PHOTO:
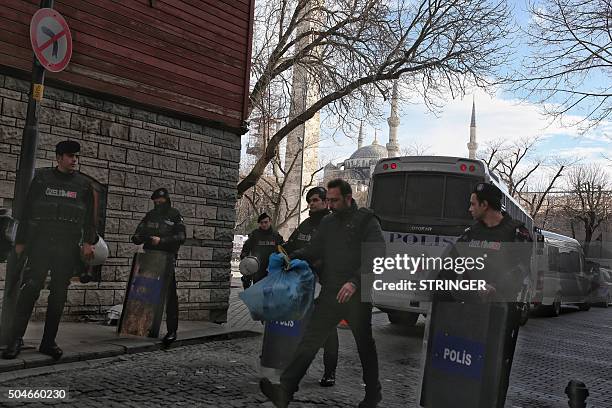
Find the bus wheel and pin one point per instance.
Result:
(553, 310)
(403, 318)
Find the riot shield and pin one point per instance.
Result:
(145, 296)
(468, 355)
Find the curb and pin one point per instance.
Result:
(37, 364)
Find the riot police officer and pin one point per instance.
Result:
(261, 243)
(316, 198)
(57, 218)
(162, 229)
(505, 243)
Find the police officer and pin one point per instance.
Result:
(316, 198)
(338, 243)
(57, 218)
(505, 243)
(162, 229)
(261, 243)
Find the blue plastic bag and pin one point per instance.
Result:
(283, 294)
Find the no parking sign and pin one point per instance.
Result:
(51, 39)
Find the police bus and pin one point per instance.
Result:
(423, 201)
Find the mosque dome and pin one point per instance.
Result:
(373, 151)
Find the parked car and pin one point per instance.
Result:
(562, 277)
(602, 287)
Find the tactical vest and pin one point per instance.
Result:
(61, 202)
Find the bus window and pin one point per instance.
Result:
(389, 200)
(458, 191)
(424, 195)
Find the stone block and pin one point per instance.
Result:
(209, 170)
(134, 204)
(164, 163)
(143, 136)
(208, 191)
(143, 115)
(124, 250)
(190, 146)
(115, 130)
(200, 274)
(69, 107)
(128, 226)
(224, 234)
(111, 226)
(230, 154)
(89, 102)
(59, 94)
(186, 188)
(115, 108)
(220, 274)
(168, 121)
(166, 141)
(226, 214)
(10, 135)
(219, 295)
(17, 84)
(228, 194)
(14, 109)
(112, 153)
(116, 178)
(186, 209)
(199, 314)
(201, 253)
(139, 158)
(85, 123)
(54, 117)
(8, 162)
(199, 295)
(210, 150)
(119, 296)
(229, 174)
(140, 181)
(99, 297)
(206, 212)
(7, 188)
(222, 254)
(202, 232)
(100, 115)
(99, 174)
(191, 127)
(75, 297)
(188, 166)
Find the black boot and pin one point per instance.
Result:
(371, 400)
(328, 380)
(169, 338)
(275, 393)
(13, 349)
(51, 349)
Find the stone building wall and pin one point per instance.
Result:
(133, 151)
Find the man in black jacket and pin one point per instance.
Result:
(338, 243)
(506, 245)
(261, 243)
(58, 216)
(316, 198)
(162, 229)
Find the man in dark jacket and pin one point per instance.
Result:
(506, 245)
(162, 229)
(58, 217)
(338, 243)
(262, 242)
(316, 198)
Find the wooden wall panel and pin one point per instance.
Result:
(187, 56)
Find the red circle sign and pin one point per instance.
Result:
(51, 39)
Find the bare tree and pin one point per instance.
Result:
(569, 68)
(529, 178)
(589, 201)
(355, 49)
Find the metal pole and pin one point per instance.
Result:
(25, 173)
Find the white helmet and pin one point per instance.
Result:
(100, 254)
(249, 265)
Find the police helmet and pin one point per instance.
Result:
(100, 254)
(249, 266)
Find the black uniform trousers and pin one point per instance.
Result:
(60, 256)
(330, 352)
(172, 308)
(325, 317)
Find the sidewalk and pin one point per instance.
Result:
(88, 341)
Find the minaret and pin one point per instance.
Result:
(360, 137)
(472, 145)
(302, 151)
(393, 121)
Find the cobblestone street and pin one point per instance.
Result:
(225, 374)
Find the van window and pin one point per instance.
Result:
(553, 258)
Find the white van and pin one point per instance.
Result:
(561, 277)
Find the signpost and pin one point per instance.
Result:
(52, 46)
